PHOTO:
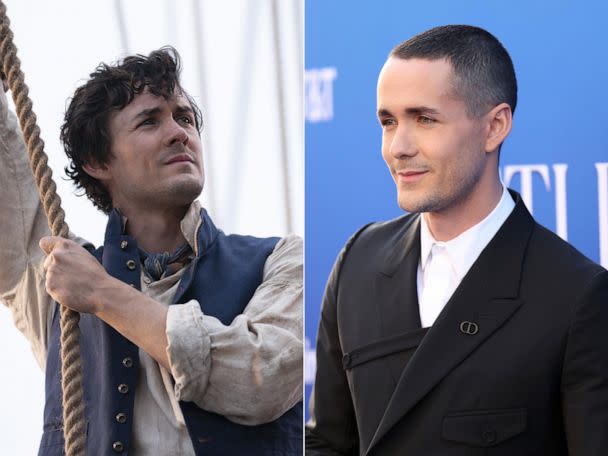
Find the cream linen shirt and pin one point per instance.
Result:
(453, 258)
(249, 371)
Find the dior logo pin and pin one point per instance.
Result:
(468, 327)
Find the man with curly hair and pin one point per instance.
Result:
(191, 340)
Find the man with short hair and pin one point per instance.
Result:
(464, 327)
(191, 340)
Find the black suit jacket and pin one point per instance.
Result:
(528, 377)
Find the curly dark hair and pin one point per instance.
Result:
(85, 131)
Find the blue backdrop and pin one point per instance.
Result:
(556, 155)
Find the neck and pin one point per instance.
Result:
(477, 205)
(155, 230)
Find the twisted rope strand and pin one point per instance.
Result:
(71, 373)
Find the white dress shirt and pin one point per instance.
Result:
(443, 264)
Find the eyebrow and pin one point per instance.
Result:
(146, 113)
(184, 109)
(413, 111)
(153, 111)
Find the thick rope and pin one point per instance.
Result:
(71, 373)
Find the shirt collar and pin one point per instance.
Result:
(464, 249)
(191, 223)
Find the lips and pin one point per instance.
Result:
(179, 158)
(410, 175)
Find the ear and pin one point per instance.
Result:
(97, 170)
(500, 120)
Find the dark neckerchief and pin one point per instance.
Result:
(155, 265)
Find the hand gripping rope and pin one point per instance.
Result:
(71, 373)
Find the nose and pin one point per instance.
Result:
(402, 143)
(176, 134)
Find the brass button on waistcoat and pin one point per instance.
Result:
(123, 388)
(127, 362)
(118, 446)
(121, 417)
(131, 264)
(124, 244)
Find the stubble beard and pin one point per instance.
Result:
(459, 186)
(182, 192)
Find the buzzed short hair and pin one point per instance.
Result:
(483, 71)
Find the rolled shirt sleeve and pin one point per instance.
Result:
(22, 224)
(251, 370)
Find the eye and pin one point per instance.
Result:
(425, 120)
(387, 122)
(186, 119)
(147, 121)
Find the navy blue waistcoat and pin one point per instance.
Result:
(222, 278)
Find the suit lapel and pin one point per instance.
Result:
(396, 291)
(487, 297)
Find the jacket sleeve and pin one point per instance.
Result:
(251, 370)
(22, 224)
(332, 428)
(585, 372)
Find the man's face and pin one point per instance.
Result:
(434, 150)
(157, 152)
